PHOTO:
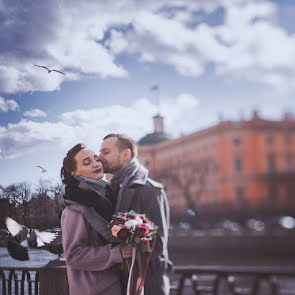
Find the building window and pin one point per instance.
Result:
(288, 138)
(271, 163)
(237, 141)
(289, 162)
(291, 192)
(273, 192)
(238, 164)
(240, 195)
(269, 139)
(216, 168)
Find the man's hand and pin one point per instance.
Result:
(127, 251)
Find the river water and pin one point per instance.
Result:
(38, 258)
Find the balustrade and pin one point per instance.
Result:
(185, 280)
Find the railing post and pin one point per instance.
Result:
(181, 284)
(53, 279)
(3, 282)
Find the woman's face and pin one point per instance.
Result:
(88, 164)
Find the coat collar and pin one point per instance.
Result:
(127, 193)
(140, 177)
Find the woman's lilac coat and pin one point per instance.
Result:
(89, 265)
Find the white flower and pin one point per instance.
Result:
(139, 220)
(131, 224)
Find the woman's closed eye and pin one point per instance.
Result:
(86, 162)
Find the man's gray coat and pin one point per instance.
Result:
(143, 195)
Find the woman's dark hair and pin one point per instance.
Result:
(69, 163)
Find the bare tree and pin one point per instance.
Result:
(189, 179)
(54, 194)
(19, 196)
(45, 204)
(38, 207)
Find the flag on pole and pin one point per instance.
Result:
(155, 88)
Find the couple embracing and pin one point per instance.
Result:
(88, 204)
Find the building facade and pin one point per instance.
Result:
(247, 164)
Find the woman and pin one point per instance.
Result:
(89, 256)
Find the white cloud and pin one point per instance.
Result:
(8, 105)
(91, 125)
(117, 43)
(258, 49)
(249, 44)
(186, 65)
(248, 40)
(187, 101)
(25, 77)
(34, 113)
(59, 42)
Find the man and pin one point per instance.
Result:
(136, 191)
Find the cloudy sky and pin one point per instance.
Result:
(211, 59)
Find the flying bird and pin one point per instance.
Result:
(22, 239)
(49, 71)
(43, 169)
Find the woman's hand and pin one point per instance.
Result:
(127, 251)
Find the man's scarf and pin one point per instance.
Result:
(120, 181)
(125, 174)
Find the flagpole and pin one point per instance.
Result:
(158, 100)
(157, 96)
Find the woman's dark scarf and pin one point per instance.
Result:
(91, 193)
(89, 196)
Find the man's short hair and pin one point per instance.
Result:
(124, 142)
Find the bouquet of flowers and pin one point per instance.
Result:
(137, 229)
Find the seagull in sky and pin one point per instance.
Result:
(49, 71)
(22, 239)
(43, 169)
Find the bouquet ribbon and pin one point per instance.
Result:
(135, 284)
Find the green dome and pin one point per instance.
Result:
(153, 138)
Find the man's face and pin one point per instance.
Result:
(110, 156)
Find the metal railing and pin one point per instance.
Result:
(186, 280)
(232, 280)
(16, 280)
